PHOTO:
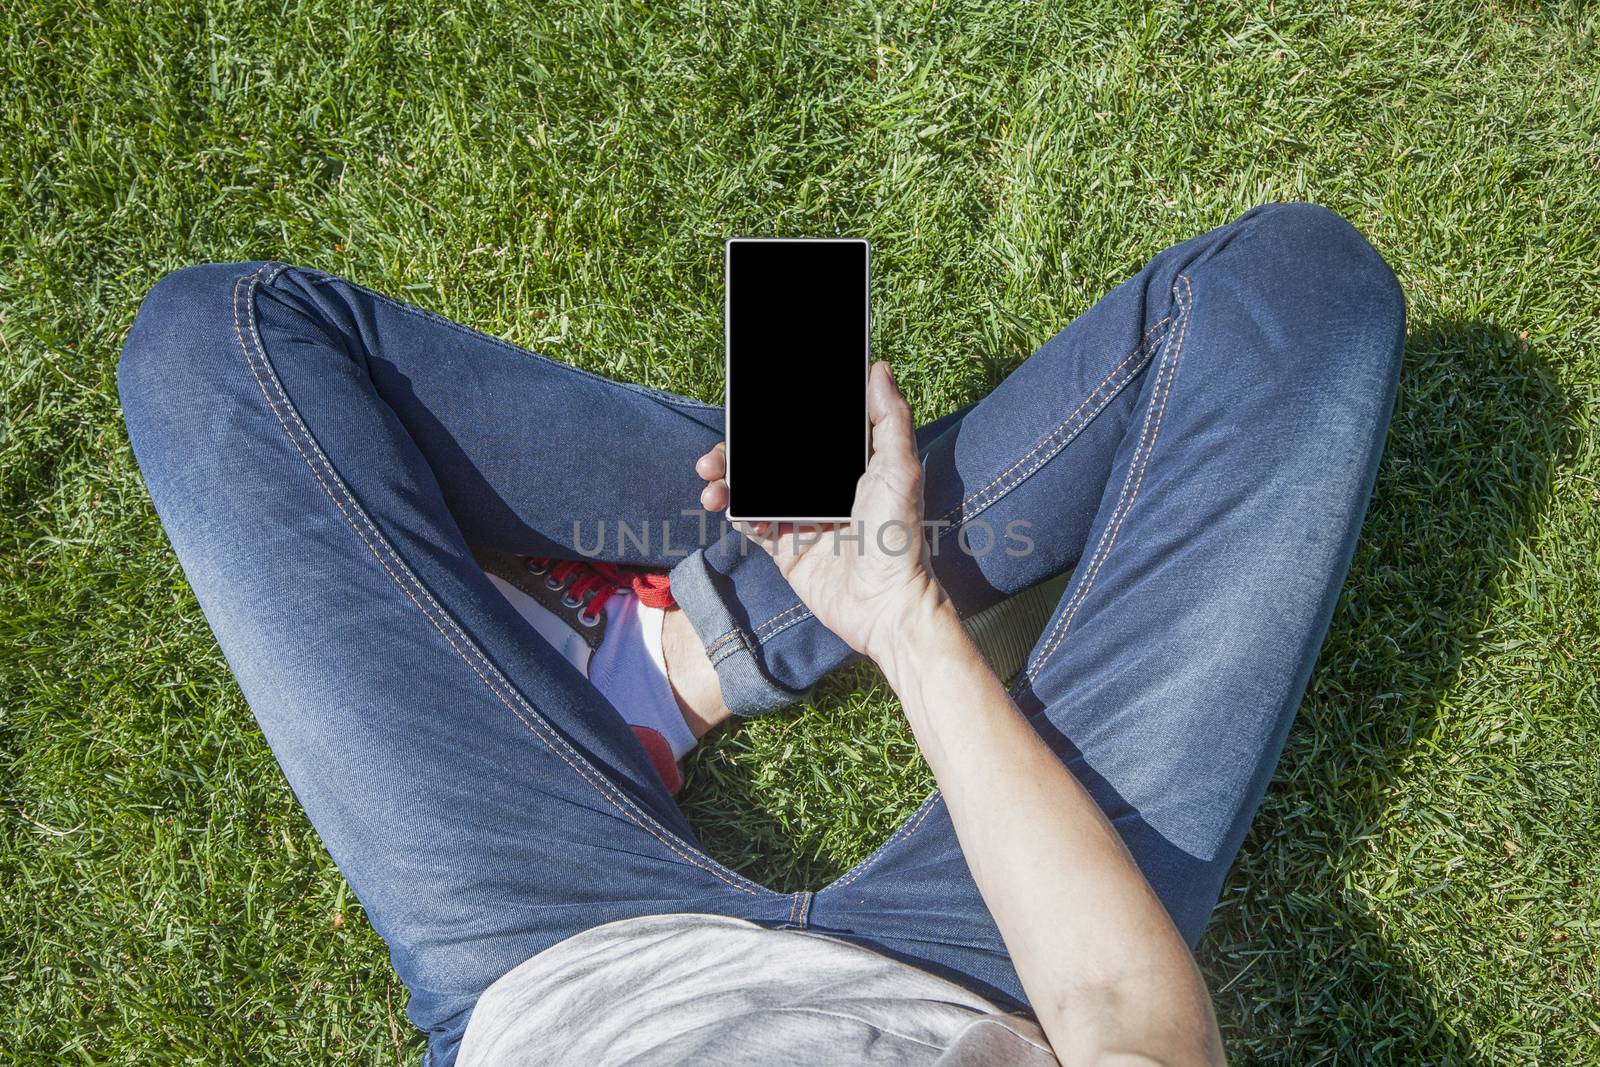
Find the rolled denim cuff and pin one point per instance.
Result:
(704, 595)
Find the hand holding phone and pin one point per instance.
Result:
(870, 586)
(797, 326)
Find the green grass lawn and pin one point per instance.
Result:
(1423, 884)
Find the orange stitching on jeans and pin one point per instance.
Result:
(642, 820)
(719, 642)
(739, 641)
(737, 634)
(906, 829)
(796, 621)
(779, 615)
(1144, 346)
(1041, 461)
(1108, 537)
(1144, 343)
(255, 282)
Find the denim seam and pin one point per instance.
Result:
(571, 757)
(913, 824)
(908, 828)
(1146, 341)
(1148, 437)
(740, 642)
(643, 390)
(796, 621)
(718, 642)
(788, 611)
(756, 633)
(805, 909)
(1151, 336)
(761, 638)
(712, 648)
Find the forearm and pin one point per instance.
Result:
(1106, 971)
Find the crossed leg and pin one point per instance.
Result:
(1200, 445)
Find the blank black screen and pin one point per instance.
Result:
(797, 377)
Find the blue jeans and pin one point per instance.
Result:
(1200, 446)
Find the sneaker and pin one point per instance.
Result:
(605, 620)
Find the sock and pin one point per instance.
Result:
(630, 670)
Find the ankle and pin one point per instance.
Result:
(691, 676)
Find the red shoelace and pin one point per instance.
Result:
(600, 581)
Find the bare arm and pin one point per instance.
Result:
(1106, 971)
(1107, 974)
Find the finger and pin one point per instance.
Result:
(714, 464)
(893, 436)
(714, 497)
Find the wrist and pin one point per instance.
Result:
(924, 619)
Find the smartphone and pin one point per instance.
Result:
(797, 320)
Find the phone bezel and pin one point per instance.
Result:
(727, 366)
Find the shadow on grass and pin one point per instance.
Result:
(1303, 971)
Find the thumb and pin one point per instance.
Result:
(893, 436)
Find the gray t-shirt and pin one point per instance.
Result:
(704, 989)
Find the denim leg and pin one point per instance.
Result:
(1013, 486)
(1211, 509)
(321, 459)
